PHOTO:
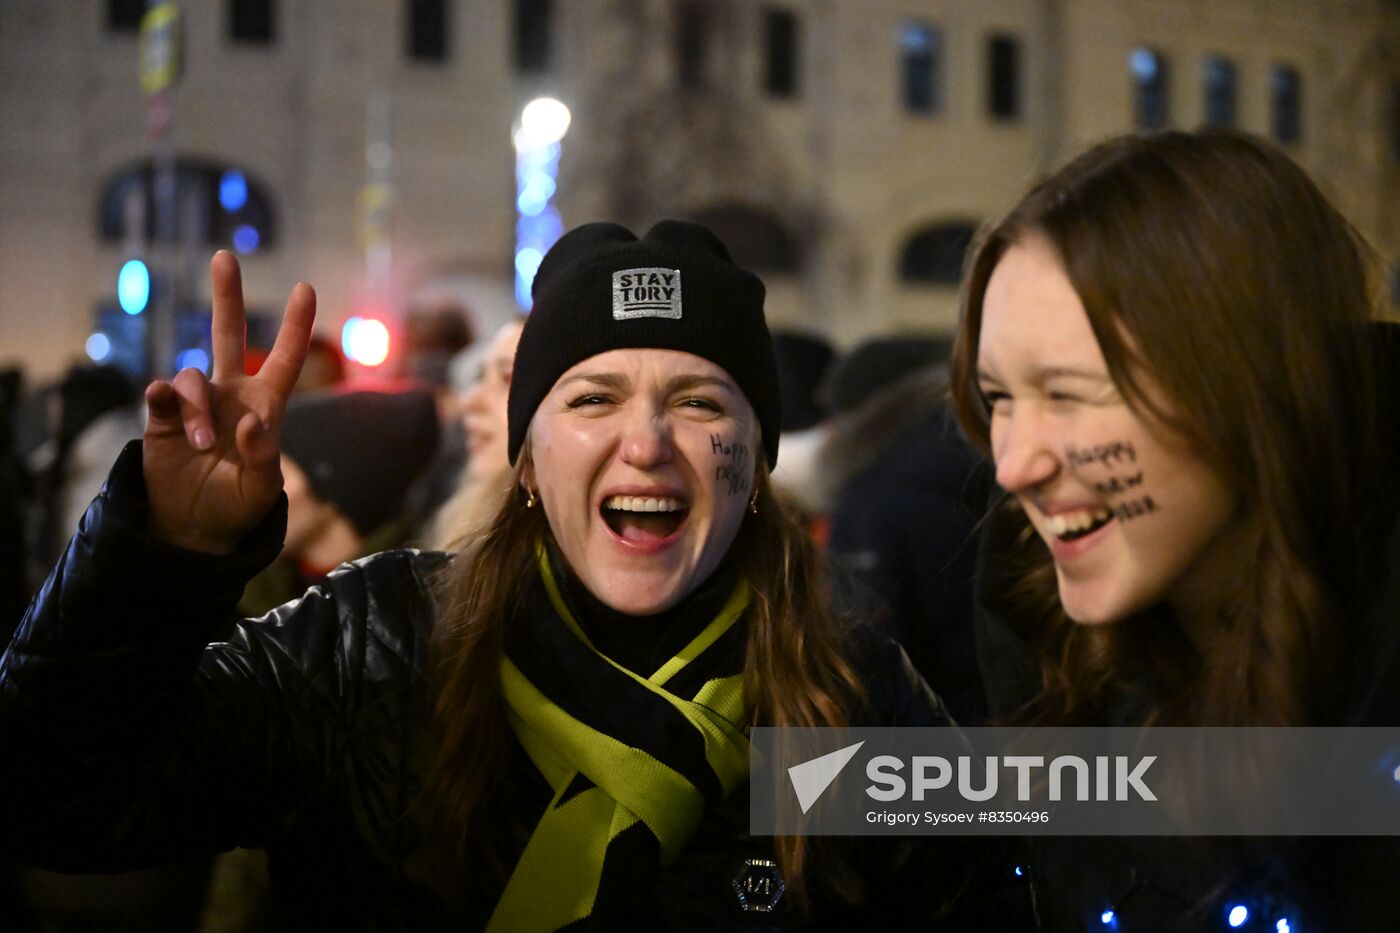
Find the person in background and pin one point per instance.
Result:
(1169, 350)
(906, 493)
(348, 459)
(487, 475)
(91, 417)
(15, 492)
(324, 368)
(437, 330)
(803, 363)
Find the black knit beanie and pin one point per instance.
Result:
(361, 451)
(599, 288)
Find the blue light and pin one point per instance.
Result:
(535, 194)
(98, 347)
(1018, 871)
(347, 335)
(1237, 915)
(915, 38)
(233, 191)
(539, 231)
(246, 239)
(1108, 917)
(545, 159)
(1282, 926)
(1143, 63)
(527, 261)
(134, 287)
(538, 225)
(531, 202)
(193, 358)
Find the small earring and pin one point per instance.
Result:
(753, 502)
(530, 502)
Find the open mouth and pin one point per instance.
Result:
(1071, 526)
(644, 519)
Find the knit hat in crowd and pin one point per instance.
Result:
(361, 451)
(600, 288)
(880, 362)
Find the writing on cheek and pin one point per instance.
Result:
(1116, 457)
(1117, 485)
(1134, 508)
(733, 468)
(1110, 454)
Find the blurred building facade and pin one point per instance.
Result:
(846, 148)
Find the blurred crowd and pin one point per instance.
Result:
(869, 455)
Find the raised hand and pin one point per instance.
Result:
(211, 457)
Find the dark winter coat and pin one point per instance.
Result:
(130, 739)
(904, 529)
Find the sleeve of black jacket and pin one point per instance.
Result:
(131, 733)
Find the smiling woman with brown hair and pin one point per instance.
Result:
(548, 730)
(1168, 350)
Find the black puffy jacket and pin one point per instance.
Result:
(141, 721)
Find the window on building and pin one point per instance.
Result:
(1286, 103)
(1004, 77)
(692, 44)
(780, 39)
(921, 69)
(1392, 117)
(934, 255)
(427, 30)
(1150, 88)
(533, 35)
(125, 15)
(251, 21)
(756, 238)
(1219, 85)
(217, 205)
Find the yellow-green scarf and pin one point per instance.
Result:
(619, 750)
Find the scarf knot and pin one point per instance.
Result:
(633, 760)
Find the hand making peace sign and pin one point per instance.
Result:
(211, 457)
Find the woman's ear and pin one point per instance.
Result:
(525, 468)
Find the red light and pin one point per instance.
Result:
(365, 340)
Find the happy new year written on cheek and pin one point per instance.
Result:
(733, 458)
(1117, 457)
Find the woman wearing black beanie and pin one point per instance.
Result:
(548, 730)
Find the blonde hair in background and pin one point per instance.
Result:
(470, 509)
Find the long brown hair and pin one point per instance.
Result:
(796, 671)
(1212, 264)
